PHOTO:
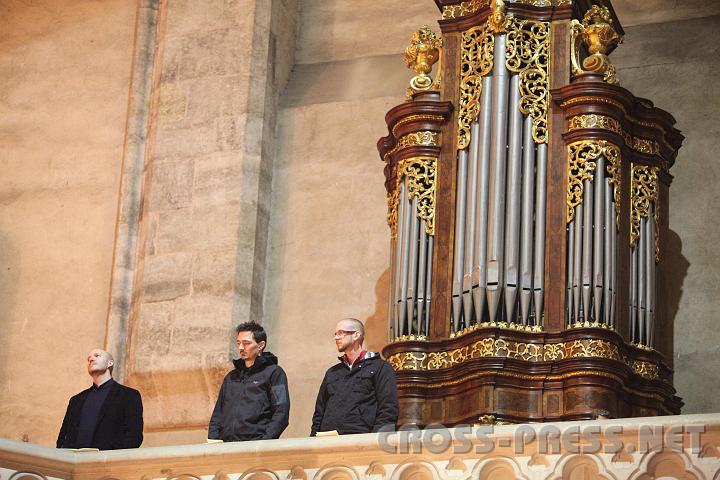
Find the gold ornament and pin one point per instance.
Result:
(599, 36)
(527, 54)
(420, 174)
(477, 61)
(643, 191)
(581, 167)
(464, 8)
(424, 51)
(496, 347)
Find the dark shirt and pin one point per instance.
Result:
(90, 412)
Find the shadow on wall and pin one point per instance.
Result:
(376, 325)
(676, 268)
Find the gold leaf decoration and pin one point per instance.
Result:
(527, 54)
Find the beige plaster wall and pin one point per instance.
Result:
(64, 71)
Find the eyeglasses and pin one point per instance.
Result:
(342, 333)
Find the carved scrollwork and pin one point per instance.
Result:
(426, 138)
(527, 54)
(477, 61)
(643, 192)
(463, 9)
(492, 347)
(420, 173)
(645, 369)
(581, 167)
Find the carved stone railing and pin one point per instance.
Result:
(686, 446)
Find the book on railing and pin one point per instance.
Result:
(329, 433)
(214, 440)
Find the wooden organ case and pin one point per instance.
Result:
(528, 211)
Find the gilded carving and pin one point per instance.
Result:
(646, 146)
(409, 338)
(510, 326)
(477, 60)
(643, 192)
(424, 51)
(492, 347)
(416, 118)
(590, 325)
(594, 121)
(420, 174)
(464, 9)
(426, 138)
(604, 122)
(527, 54)
(599, 36)
(645, 369)
(581, 167)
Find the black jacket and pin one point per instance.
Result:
(358, 400)
(119, 423)
(253, 403)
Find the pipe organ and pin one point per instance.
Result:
(527, 209)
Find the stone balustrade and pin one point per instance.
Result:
(682, 447)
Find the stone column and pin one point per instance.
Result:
(192, 226)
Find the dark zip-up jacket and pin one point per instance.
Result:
(360, 399)
(119, 423)
(253, 403)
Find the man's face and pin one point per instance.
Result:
(345, 335)
(98, 361)
(247, 347)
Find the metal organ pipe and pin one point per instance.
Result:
(587, 205)
(422, 255)
(512, 217)
(598, 240)
(459, 239)
(540, 208)
(496, 207)
(607, 253)
(413, 264)
(470, 224)
(526, 224)
(403, 254)
(479, 270)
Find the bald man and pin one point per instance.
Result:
(106, 416)
(358, 394)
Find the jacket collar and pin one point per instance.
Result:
(263, 360)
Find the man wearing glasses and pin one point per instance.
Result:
(358, 395)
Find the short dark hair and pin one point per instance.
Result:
(257, 330)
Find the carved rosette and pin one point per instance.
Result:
(581, 166)
(644, 192)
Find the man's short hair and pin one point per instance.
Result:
(258, 332)
(358, 326)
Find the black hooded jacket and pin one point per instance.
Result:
(253, 403)
(360, 399)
